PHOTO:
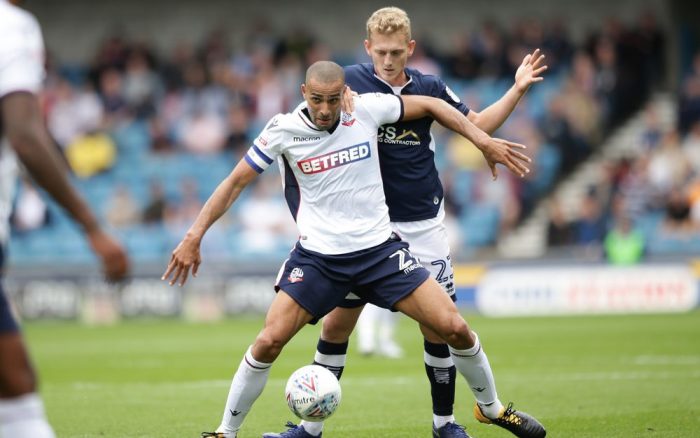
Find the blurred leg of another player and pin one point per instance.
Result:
(375, 333)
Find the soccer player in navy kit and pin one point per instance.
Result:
(23, 135)
(414, 196)
(333, 187)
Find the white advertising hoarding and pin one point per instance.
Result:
(589, 289)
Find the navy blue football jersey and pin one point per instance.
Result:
(406, 149)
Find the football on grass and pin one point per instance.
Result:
(313, 393)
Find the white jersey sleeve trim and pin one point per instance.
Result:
(257, 159)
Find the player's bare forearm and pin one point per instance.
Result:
(529, 72)
(491, 118)
(221, 200)
(29, 138)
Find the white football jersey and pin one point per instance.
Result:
(331, 179)
(21, 69)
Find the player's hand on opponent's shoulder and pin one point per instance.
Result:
(499, 151)
(115, 262)
(347, 103)
(185, 256)
(530, 70)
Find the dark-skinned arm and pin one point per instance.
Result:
(28, 136)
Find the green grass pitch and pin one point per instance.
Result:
(592, 376)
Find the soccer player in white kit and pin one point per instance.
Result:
(333, 186)
(414, 195)
(23, 135)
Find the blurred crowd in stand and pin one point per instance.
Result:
(149, 134)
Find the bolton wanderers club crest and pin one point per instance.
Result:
(347, 119)
(296, 275)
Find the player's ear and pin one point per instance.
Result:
(411, 47)
(368, 45)
(303, 91)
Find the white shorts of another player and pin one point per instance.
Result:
(429, 242)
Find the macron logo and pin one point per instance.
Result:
(335, 159)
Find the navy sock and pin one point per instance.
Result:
(442, 373)
(331, 356)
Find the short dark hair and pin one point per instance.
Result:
(325, 72)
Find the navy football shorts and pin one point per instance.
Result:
(381, 275)
(7, 321)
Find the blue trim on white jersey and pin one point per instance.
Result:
(257, 159)
(252, 164)
(406, 151)
(265, 158)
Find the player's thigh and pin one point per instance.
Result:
(339, 324)
(284, 319)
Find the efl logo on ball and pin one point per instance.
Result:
(313, 393)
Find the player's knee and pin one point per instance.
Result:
(268, 346)
(457, 334)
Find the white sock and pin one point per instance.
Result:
(312, 427)
(24, 417)
(441, 420)
(473, 364)
(246, 387)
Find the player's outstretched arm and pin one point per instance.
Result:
(31, 141)
(527, 74)
(495, 150)
(186, 255)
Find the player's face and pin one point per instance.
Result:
(323, 101)
(389, 55)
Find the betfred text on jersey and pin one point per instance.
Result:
(335, 159)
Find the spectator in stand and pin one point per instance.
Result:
(652, 134)
(589, 226)
(189, 204)
(677, 224)
(689, 111)
(238, 140)
(122, 210)
(623, 244)
(141, 86)
(157, 205)
(204, 133)
(691, 147)
(110, 90)
(73, 112)
(668, 166)
(91, 153)
(559, 229)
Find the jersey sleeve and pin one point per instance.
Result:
(442, 91)
(22, 59)
(382, 108)
(267, 146)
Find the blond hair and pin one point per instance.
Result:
(388, 21)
